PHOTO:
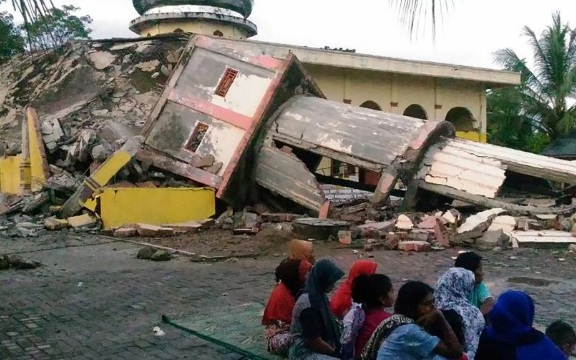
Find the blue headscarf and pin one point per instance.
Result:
(512, 317)
(324, 275)
(511, 335)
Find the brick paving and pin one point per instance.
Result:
(99, 302)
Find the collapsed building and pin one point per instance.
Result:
(209, 120)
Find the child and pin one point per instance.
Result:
(370, 295)
(563, 335)
(480, 296)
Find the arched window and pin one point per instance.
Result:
(461, 118)
(370, 105)
(416, 111)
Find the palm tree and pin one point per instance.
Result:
(546, 89)
(32, 11)
(412, 12)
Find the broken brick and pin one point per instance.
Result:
(417, 246)
(442, 235)
(429, 222)
(419, 235)
(392, 240)
(345, 237)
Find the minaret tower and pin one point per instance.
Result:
(225, 18)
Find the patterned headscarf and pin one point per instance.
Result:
(452, 292)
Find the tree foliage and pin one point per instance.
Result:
(57, 27)
(11, 41)
(537, 111)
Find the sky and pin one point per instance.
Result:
(468, 35)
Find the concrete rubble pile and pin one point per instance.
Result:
(249, 131)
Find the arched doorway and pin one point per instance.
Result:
(367, 176)
(178, 30)
(462, 119)
(416, 111)
(218, 33)
(371, 105)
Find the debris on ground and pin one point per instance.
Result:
(93, 139)
(17, 262)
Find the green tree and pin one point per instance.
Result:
(11, 41)
(57, 27)
(541, 99)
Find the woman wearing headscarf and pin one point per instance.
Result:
(454, 288)
(403, 336)
(341, 301)
(290, 277)
(302, 250)
(315, 331)
(510, 335)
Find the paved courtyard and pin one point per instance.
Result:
(93, 300)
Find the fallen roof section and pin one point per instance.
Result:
(374, 140)
(475, 173)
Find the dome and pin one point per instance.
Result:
(243, 7)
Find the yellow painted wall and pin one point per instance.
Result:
(155, 206)
(10, 175)
(359, 86)
(196, 27)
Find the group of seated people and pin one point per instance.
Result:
(459, 319)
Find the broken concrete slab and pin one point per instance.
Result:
(404, 223)
(492, 239)
(81, 221)
(147, 230)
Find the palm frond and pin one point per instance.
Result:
(32, 11)
(413, 12)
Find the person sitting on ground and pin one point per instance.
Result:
(371, 294)
(510, 334)
(563, 335)
(290, 277)
(302, 250)
(316, 333)
(403, 336)
(341, 301)
(480, 296)
(452, 292)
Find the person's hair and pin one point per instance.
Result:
(561, 333)
(469, 261)
(368, 290)
(360, 288)
(456, 323)
(410, 296)
(288, 272)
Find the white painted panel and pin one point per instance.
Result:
(462, 170)
(244, 95)
(221, 140)
(544, 236)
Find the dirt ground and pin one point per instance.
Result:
(267, 242)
